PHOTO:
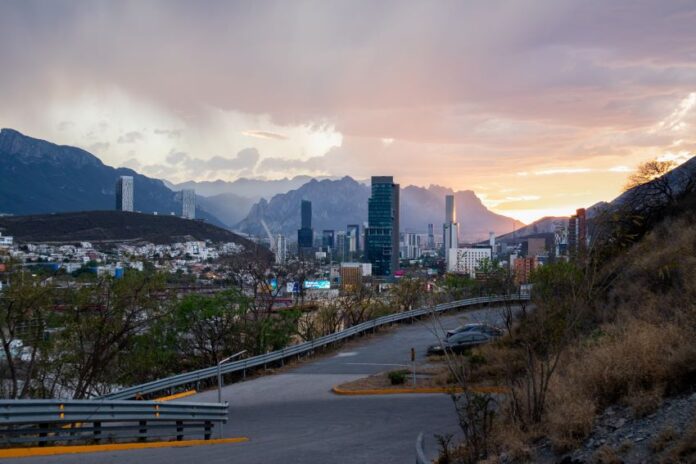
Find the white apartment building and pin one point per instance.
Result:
(467, 260)
(188, 204)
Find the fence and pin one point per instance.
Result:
(44, 421)
(192, 378)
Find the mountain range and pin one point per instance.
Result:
(254, 189)
(337, 203)
(42, 177)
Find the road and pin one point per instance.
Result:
(292, 417)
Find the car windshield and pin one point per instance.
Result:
(465, 337)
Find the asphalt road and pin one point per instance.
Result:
(292, 417)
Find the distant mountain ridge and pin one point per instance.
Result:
(337, 203)
(253, 189)
(42, 177)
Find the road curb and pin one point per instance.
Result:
(398, 391)
(81, 449)
(176, 396)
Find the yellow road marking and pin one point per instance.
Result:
(176, 396)
(393, 391)
(77, 449)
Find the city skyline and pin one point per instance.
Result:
(547, 108)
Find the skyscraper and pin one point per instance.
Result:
(306, 214)
(450, 228)
(124, 193)
(354, 239)
(188, 203)
(431, 237)
(327, 240)
(382, 234)
(305, 235)
(281, 249)
(577, 232)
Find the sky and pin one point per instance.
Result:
(539, 106)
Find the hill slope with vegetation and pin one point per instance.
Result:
(611, 330)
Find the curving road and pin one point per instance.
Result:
(292, 417)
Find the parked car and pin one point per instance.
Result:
(480, 327)
(459, 343)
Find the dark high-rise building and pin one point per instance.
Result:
(577, 232)
(327, 240)
(305, 235)
(382, 234)
(306, 207)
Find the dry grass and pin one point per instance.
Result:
(663, 439)
(508, 438)
(569, 417)
(684, 450)
(630, 364)
(606, 455)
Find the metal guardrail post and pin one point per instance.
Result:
(179, 430)
(97, 431)
(142, 431)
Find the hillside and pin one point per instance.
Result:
(337, 203)
(603, 369)
(95, 226)
(42, 177)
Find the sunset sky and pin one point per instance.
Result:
(540, 107)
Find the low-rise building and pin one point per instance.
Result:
(467, 260)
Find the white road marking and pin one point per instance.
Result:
(346, 353)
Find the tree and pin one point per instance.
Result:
(559, 297)
(210, 328)
(25, 307)
(98, 325)
(651, 171)
(407, 293)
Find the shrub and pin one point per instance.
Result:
(397, 377)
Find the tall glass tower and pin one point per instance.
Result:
(382, 234)
(305, 235)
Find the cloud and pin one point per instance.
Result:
(620, 169)
(471, 95)
(170, 133)
(131, 137)
(244, 160)
(176, 157)
(99, 147)
(555, 171)
(65, 125)
(264, 135)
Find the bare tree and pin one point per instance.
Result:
(24, 307)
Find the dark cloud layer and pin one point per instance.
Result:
(466, 89)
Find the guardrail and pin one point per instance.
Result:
(44, 421)
(194, 377)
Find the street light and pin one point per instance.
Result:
(219, 372)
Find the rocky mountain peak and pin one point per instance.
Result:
(29, 150)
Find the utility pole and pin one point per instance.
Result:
(219, 373)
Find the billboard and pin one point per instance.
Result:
(317, 284)
(292, 287)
